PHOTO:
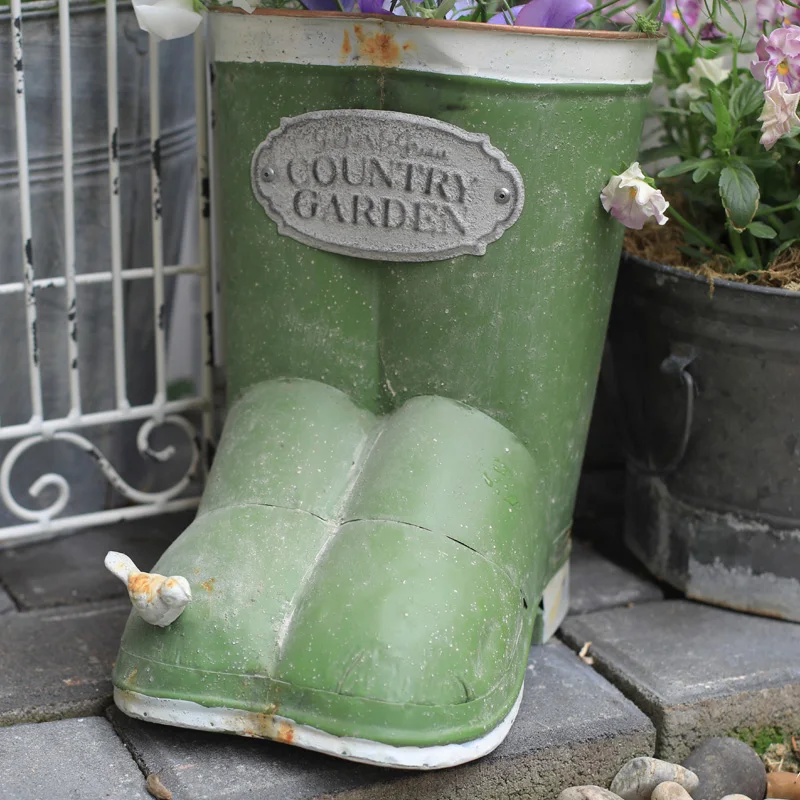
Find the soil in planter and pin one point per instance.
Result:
(660, 244)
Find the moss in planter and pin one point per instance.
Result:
(778, 748)
(662, 245)
(761, 738)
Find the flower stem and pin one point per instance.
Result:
(707, 240)
(775, 209)
(751, 240)
(740, 256)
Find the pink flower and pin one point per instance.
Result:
(627, 13)
(779, 58)
(779, 115)
(681, 14)
(710, 32)
(775, 11)
(632, 200)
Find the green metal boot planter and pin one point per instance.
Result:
(418, 274)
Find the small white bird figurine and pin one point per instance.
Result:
(157, 599)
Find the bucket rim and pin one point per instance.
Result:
(719, 283)
(441, 23)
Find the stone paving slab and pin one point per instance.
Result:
(597, 582)
(69, 570)
(573, 727)
(698, 671)
(6, 603)
(57, 663)
(74, 759)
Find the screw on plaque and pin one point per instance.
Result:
(502, 195)
(268, 174)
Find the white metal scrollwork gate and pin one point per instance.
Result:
(72, 323)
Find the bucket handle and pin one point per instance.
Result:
(677, 364)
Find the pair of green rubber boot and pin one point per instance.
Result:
(372, 558)
(363, 586)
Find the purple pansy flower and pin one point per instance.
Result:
(329, 5)
(710, 32)
(775, 11)
(546, 13)
(681, 14)
(372, 7)
(779, 59)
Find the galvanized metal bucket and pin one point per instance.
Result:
(708, 380)
(94, 236)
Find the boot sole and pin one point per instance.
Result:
(185, 714)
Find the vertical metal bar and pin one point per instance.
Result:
(69, 207)
(204, 232)
(25, 212)
(117, 304)
(159, 306)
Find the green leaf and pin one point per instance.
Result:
(444, 9)
(791, 230)
(739, 191)
(747, 98)
(760, 162)
(723, 138)
(793, 144)
(785, 246)
(689, 165)
(706, 109)
(711, 166)
(664, 62)
(762, 231)
(747, 132)
(693, 252)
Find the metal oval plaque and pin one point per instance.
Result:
(385, 186)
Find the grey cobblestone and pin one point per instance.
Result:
(57, 663)
(597, 583)
(698, 671)
(6, 603)
(74, 759)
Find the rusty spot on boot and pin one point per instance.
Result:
(285, 733)
(347, 47)
(378, 49)
(209, 584)
(262, 725)
(132, 676)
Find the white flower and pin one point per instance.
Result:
(709, 68)
(632, 200)
(167, 19)
(687, 92)
(779, 115)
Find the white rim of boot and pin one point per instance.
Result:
(502, 52)
(186, 714)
